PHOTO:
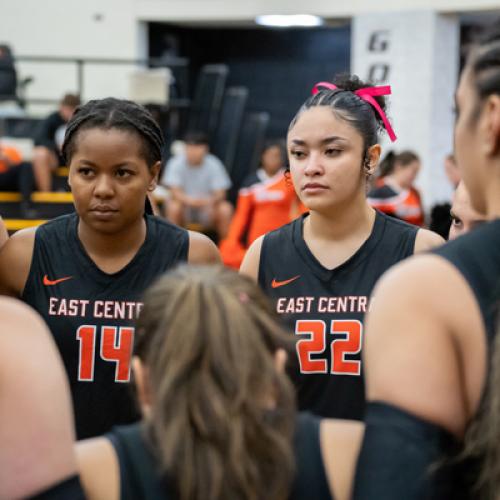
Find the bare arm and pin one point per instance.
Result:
(98, 468)
(426, 240)
(425, 326)
(251, 262)
(4, 235)
(340, 444)
(37, 432)
(202, 250)
(15, 262)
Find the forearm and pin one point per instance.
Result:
(4, 235)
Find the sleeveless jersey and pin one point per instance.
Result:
(91, 313)
(140, 476)
(325, 308)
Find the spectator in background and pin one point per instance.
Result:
(198, 182)
(48, 142)
(266, 201)
(463, 217)
(451, 169)
(394, 193)
(16, 175)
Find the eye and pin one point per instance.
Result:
(299, 155)
(123, 173)
(333, 152)
(85, 171)
(456, 222)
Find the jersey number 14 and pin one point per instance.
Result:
(116, 347)
(348, 341)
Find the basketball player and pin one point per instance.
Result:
(216, 424)
(431, 373)
(85, 272)
(322, 267)
(36, 424)
(463, 217)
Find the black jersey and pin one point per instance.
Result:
(325, 308)
(91, 313)
(140, 476)
(476, 256)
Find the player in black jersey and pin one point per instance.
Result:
(36, 430)
(85, 272)
(219, 413)
(321, 268)
(432, 345)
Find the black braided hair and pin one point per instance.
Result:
(111, 113)
(349, 107)
(485, 63)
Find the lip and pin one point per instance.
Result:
(314, 187)
(103, 212)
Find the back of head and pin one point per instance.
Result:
(121, 114)
(222, 416)
(348, 106)
(196, 137)
(70, 100)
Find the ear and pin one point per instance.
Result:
(373, 157)
(491, 125)
(280, 357)
(141, 378)
(154, 173)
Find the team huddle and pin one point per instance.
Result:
(354, 355)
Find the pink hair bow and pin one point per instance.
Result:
(367, 95)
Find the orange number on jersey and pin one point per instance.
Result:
(316, 344)
(86, 335)
(120, 353)
(351, 344)
(116, 346)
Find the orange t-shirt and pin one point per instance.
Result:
(405, 204)
(262, 207)
(12, 154)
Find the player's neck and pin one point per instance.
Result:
(344, 223)
(108, 245)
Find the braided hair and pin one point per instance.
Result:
(121, 114)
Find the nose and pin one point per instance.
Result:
(313, 165)
(104, 187)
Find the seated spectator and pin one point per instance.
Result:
(463, 217)
(394, 193)
(16, 175)
(198, 183)
(266, 201)
(48, 141)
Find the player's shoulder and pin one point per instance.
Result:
(165, 227)
(284, 232)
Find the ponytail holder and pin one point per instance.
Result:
(367, 95)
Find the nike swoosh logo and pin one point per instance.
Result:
(276, 284)
(48, 282)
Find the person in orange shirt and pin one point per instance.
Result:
(16, 175)
(394, 193)
(266, 201)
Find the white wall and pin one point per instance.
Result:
(89, 28)
(195, 10)
(421, 53)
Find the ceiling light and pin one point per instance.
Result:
(287, 21)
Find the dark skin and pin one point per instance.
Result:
(109, 179)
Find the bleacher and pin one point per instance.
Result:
(236, 137)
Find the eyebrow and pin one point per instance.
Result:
(326, 140)
(453, 215)
(118, 165)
